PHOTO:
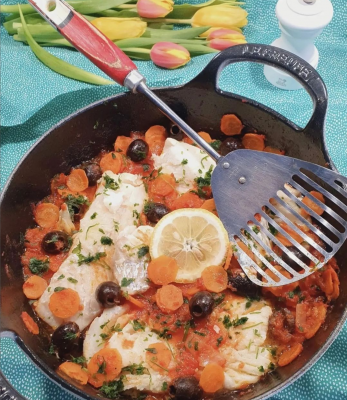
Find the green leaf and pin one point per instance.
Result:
(119, 14)
(189, 33)
(60, 66)
(136, 53)
(24, 8)
(188, 10)
(96, 6)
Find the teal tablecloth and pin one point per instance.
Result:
(33, 99)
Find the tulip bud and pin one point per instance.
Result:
(222, 44)
(120, 28)
(223, 16)
(169, 55)
(154, 8)
(226, 34)
(209, 31)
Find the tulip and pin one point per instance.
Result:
(222, 16)
(154, 8)
(120, 28)
(209, 31)
(222, 44)
(169, 55)
(221, 39)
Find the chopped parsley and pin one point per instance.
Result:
(126, 282)
(189, 324)
(145, 167)
(54, 239)
(135, 369)
(219, 341)
(142, 251)
(203, 182)
(235, 322)
(218, 299)
(37, 266)
(273, 230)
(200, 333)
(72, 280)
(196, 346)
(70, 336)
(295, 292)
(112, 389)
(106, 241)
(75, 202)
(216, 144)
(51, 349)
(151, 350)
(102, 231)
(136, 214)
(102, 367)
(255, 229)
(271, 366)
(261, 369)
(103, 325)
(93, 215)
(104, 336)
(59, 289)
(250, 300)
(61, 277)
(164, 387)
(116, 225)
(137, 325)
(116, 328)
(164, 334)
(89, 258)
(184, 161)
(110, 183)
(79, 360)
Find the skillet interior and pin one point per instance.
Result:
(82, 136)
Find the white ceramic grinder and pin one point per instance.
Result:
(300, 21)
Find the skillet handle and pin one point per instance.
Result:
(295, 66)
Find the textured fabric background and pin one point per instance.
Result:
(33, 99)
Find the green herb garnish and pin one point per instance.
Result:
(37, 266)
(106, 240)
(142, 251)
(126, 282)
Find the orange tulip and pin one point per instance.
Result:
(169, 55)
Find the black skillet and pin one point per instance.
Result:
(81, 136)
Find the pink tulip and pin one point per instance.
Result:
(221, 44)
(225, 34)
(169, 55)
(154, 8)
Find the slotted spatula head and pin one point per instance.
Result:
(259, 197)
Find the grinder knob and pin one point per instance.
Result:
(300, 21)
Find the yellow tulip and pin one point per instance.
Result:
(222, 16)
(120, 28)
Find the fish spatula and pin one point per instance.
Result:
(245, 183)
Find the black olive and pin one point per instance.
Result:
(185, 388)
(55, 242)
(230, 144)
(108, 294)
(93, 172)
(137, 150)
(243, 285)
(176, 133)
(156, 211)
(291, 262)
(225, 394)
(201, 304)
(65, 338)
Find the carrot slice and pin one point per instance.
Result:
(163, 185)
(162, 270)
(212, 378)
(74, 371)
(122, 143)
(65, 303)
(187, 200)
(46, 215)
(291, 233)
(29, 323)
(230, 125)
(169, 298)
(155, 137)
(206, 136)
(104, 366)
(77, 181)
(283, 240)
(246, 250)
(273, 150)
(210, 205)
(252, 141)
(111, 162)
(312, 205)
(158, 356)
(289, 355)
(215, 278)
(34, 287)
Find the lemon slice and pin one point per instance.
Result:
(195, 237)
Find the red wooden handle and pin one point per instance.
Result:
(100, 50)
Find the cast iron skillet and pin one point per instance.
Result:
(82, 135)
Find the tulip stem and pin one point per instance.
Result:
(126, 6)
(169, 20)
